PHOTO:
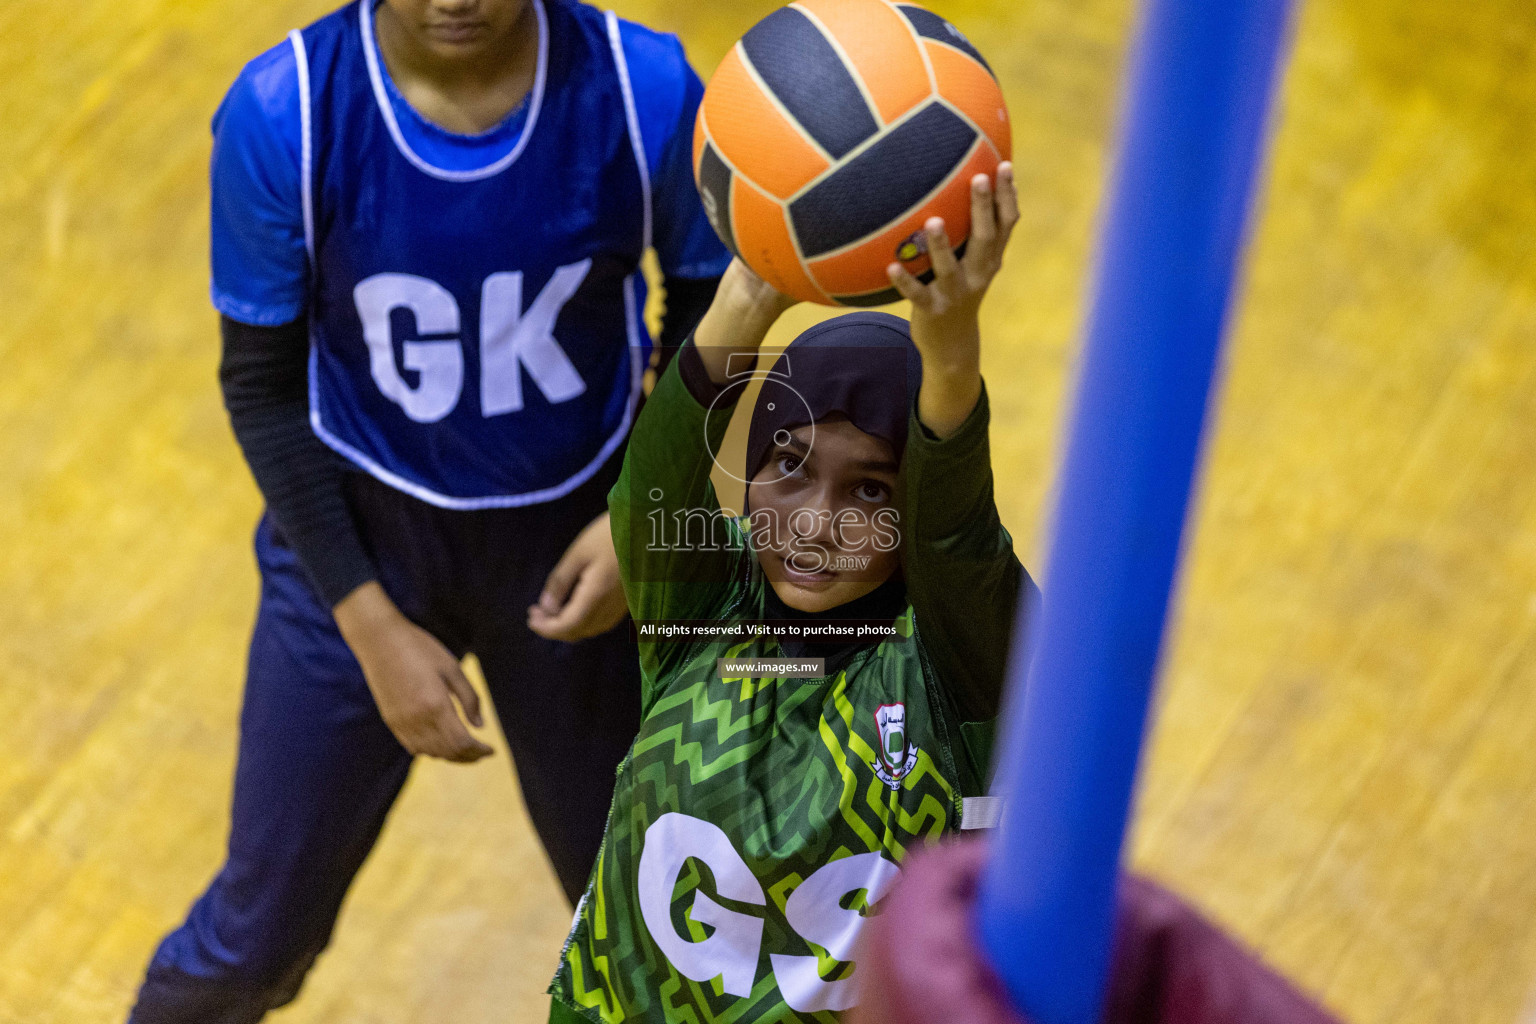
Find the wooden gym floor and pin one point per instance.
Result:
(1344, 770)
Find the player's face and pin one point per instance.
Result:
(824, 518)
(464, 30)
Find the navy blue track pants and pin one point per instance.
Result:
(318, 769)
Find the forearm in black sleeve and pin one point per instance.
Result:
(264, 374)
(687, 300)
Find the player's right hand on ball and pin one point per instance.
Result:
(414, 678)
(742, 288)
(744, 308)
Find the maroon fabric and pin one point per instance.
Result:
(1172, 966)
(918, 963)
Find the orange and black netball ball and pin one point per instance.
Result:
(832, 131)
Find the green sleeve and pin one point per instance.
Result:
(963, 578)
(679, 554)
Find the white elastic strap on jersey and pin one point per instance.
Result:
(633, 117)
(306, 146)
(980, 812)
(387, 109)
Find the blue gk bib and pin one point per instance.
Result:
(476, 335)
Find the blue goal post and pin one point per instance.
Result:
(1191, 138)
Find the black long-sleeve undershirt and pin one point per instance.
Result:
(264, 375)
(687, 300)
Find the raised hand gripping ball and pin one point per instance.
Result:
(832, 131)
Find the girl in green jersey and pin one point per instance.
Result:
(758, 816)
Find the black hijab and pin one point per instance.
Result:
(862, 366)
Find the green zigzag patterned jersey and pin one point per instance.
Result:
(756, 819)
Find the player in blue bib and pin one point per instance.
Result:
(428, 221)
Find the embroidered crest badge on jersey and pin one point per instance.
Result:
(896, 757)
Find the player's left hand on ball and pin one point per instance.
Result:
(583, 595)
(944, 310)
